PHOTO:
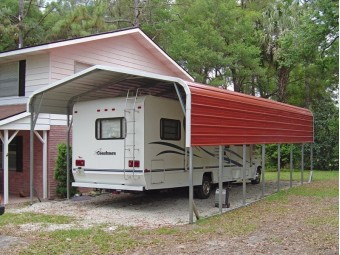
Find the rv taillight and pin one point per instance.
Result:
(134, 163)
(80, 162)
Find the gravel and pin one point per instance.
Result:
(165, 208)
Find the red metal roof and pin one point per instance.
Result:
(224, 117)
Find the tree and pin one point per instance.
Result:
(17, 23)
(326, 126)
(212, 40)
(72, 19)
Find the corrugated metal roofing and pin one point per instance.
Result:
(214, 116)
(223, 117)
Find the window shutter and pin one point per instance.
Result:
(22, 77)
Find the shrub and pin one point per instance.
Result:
(60, 172)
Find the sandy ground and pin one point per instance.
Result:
(143, 210)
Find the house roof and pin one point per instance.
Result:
(213, 116)
(136, 34)
(7, 111)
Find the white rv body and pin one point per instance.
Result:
(146, 150)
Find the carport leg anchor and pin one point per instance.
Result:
(195, 210)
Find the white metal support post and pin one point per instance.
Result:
(5, 162)
(68, 156)
(263, 168)
(302, 162)
(31, 155)
(291, 166)
(244, 175)
(220, 178)
(278, 166)
(311, 164)
(191, 188)
(34, 118)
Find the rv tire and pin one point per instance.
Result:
(203, 191)
(257, 178)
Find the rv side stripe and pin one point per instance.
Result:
(154, 170)
(112, 170)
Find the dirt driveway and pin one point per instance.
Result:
(170, 207)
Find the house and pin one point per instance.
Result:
(24, 71)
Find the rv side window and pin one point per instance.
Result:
(113, 128)
(170, 129)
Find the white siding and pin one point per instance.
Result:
(37, 76)
(78, 66)
(119, 52)
(22, 122)
(37, 73)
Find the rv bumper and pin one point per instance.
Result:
(107, 186)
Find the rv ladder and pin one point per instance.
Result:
(130, 138)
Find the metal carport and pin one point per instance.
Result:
(213, 116)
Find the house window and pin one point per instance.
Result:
(15, 149)
(170, 129)
(12, 79)
(112, 128)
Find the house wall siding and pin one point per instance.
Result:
(119, 52)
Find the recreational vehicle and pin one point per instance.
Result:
(137, 144)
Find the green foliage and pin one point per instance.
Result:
(326, 125)
(60, 172)
(213, 40)
(272, 155)
(29, 27)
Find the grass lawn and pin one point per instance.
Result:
(303, 219)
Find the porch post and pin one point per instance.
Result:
(45, 164)
(220, 178)
(5, 156)
(191, 188)
(43, 140)
(244, 175)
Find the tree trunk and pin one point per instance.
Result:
(20, 18)
(283, 79)
(136, 13)
(237, 85)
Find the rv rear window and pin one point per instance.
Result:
(113, 128)
(170, 129)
